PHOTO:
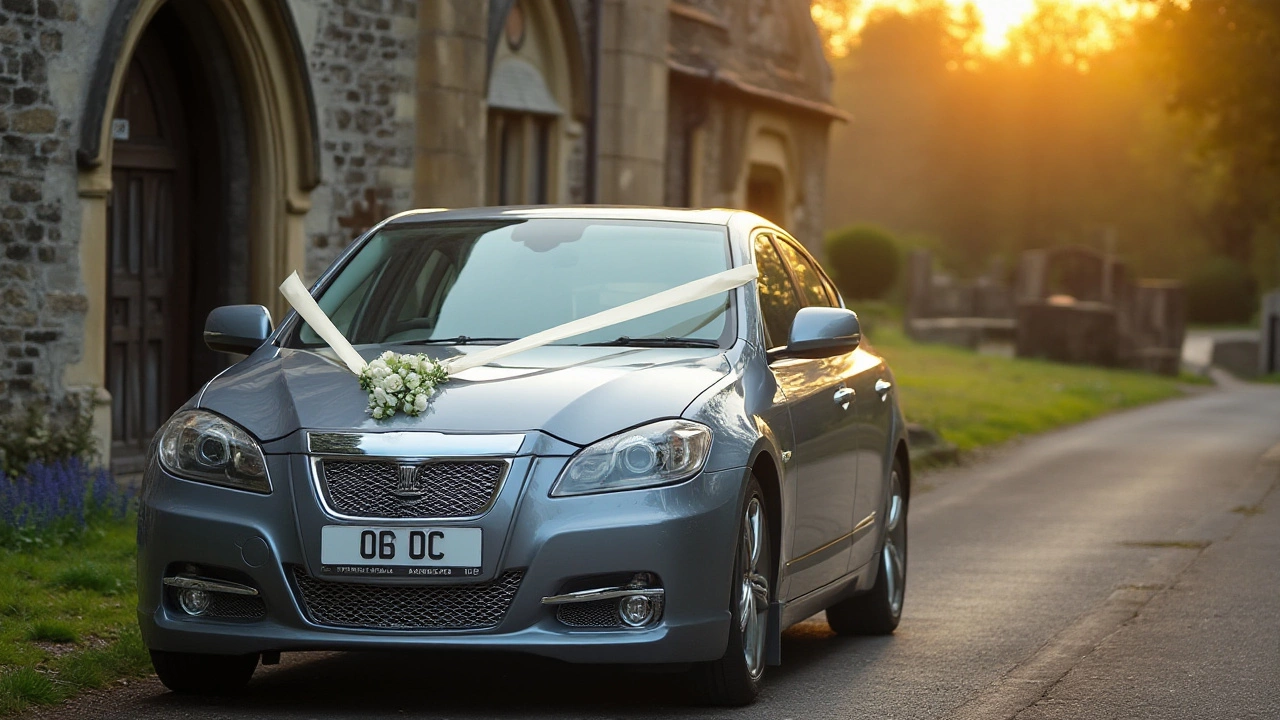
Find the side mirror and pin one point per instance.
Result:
(237, 328)
(822, 332)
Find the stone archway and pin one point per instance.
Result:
(268, 97)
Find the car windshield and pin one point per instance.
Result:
(497, 280)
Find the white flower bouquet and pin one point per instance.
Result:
(401, 383)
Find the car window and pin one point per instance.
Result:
(813, 292)
(778, 300)
(510, 278)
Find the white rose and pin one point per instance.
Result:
(377, 413)
(378, 365)
(413, 380)
(380, 396)
(386, 357)
(420, 402)
(393, 383)
(407, 407)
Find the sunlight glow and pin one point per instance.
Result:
(843, 20)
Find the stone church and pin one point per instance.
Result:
(159, 158)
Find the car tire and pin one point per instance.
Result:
(735, 679)
(878, 611)
(198, 674)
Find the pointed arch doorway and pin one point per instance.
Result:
(197, 158)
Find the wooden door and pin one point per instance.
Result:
(147, 356)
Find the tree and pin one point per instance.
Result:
(1223, 58)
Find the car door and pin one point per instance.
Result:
(864, 372)
(821, 407)
(874, 415)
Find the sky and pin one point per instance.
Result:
(998, 17)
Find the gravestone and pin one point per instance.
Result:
(1269, 345)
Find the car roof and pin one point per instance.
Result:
(716, 216)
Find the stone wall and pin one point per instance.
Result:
(41, 303)
(363, 62)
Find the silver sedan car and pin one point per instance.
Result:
(674, 490)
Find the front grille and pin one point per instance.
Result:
(405, 607)
(433, 490)
(597, 613)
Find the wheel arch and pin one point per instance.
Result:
(764, 467)
(901, 454)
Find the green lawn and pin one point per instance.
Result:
(975, 400)
(68, 616)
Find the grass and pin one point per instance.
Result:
(67, 616)
(1272, 378)
(975, 400)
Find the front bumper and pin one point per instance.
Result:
(684, 534)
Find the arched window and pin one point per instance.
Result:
(530, 98)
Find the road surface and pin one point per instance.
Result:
(1124, 568)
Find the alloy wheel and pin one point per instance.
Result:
(753, 596)
(894, 561)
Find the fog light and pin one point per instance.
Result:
(193, 601)
(635, 610)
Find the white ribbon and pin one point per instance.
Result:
(306, 306)
(296, 293)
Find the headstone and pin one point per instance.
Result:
(1269, 345)
(919, 284)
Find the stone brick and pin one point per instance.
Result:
(33, 68)
(21, 7)
(51, 42)
(13, 212)
(24, 192)
(35, 121)
(31, 351)
(49, 212)
(66, 304)
(13, 351)
(18, 252)
(16, 297)
(16, 145)
(47, 254)
(25, 96)
(25, 367)
(48, 9)
(41, 336)
(33, 232)
(10, 335)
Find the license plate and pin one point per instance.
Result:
(424, 551)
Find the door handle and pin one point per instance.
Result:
(843, 396)
(882, 387)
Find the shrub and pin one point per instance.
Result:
(864, 261)
(35, 436)
(1221, 291)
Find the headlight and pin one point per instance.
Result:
(201, 446)
(659, 453)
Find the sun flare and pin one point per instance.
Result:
(842, 20)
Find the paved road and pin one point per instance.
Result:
(1125, 568)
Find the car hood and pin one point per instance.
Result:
(578, 394)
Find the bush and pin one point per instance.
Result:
(1221, 291)
(34, 438)
(864, 262)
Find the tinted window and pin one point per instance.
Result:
(777, 297)
(513, 278)
(812, 290)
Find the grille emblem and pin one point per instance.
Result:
(407, 488)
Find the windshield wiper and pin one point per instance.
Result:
(672, 342)
(459, 340)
